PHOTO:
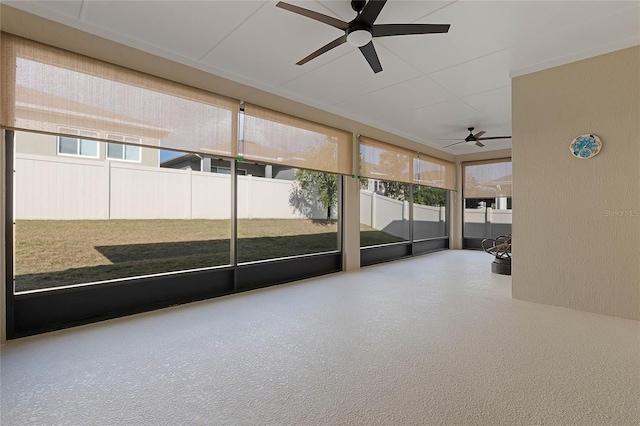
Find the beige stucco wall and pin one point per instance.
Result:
(41, 144)
(584, 251)
(351, 215)
(482, 155)
(3, 300)
(36, 143)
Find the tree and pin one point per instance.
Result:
(395, 190)
(313, 188)
(471, 203)
(428, 196)
(424, 195)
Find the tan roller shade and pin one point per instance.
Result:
(487, 179)
(380, 160)
(46, 89)
(432, 171)
(277, 138)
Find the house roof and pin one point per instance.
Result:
(56, 111)
(179, 159)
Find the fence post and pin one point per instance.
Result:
(189, 193)
(373, 210)
(248, 195)
(406, 219)
(106, 209)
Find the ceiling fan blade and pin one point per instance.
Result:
(494, 137)
(450, 139)
(385, 30)
(480, 144)
(477, 135)
(453, 144)
(327, 47)
(371, 56)
(337, 23)
(371, 11)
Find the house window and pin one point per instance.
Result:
(117, 151)
(227, 170)
(78, 146)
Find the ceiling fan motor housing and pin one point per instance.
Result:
(470, 138)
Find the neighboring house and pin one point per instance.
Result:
(123, 131)
(86, 149)
(213, 165)
(501, 185)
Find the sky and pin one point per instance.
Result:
(165, 155)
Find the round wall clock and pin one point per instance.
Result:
(585, 146)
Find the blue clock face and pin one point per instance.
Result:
(585, 146)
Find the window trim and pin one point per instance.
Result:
(240, 172)
(78, 139)
(124, 144)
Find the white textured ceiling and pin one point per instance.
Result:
(432, 86)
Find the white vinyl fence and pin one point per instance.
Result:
(70, 188)
(486, 223)
(59, 188)
(392, 216)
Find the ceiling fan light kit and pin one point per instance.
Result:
(362, 29)
(359, 38)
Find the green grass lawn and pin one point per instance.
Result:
(56, 253)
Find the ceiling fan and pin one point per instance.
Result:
(361, 30)
(474, 139)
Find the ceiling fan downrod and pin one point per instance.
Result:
(358, 5)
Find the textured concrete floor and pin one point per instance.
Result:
(431, 340)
